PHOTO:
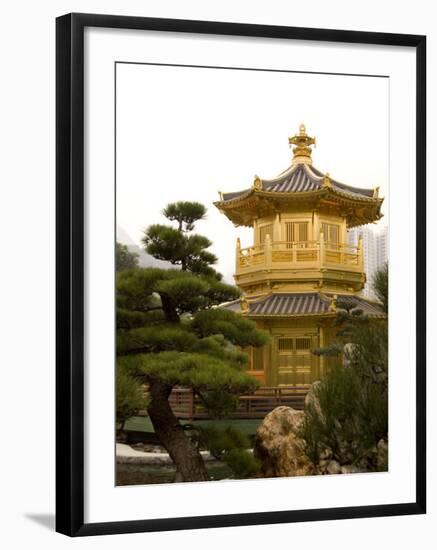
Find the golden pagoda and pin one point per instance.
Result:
(300, 263)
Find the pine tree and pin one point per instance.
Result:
(170, 332)
(177, 245)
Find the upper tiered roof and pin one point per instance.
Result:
(300, 183)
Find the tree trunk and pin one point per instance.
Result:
(171, 315)
(188, 461)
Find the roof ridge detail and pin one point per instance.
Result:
(287, 172)
(311, 172)
(302, 178)
(344, 186)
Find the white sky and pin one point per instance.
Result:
(185, 133)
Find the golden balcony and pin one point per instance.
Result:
(302, 255)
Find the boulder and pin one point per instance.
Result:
(278, 446)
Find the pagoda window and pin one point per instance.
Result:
(296, 232)
(303, 344)
(256, 358)
(265, 230)
(285, 344)
(331, 232)
(288, 345)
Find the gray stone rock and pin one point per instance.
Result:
(311, 399)
(333, 467)
(350, 469)
(348, 354)
(382, 455)
(323, 464)
(326, 454)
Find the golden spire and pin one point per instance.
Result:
(302, 142)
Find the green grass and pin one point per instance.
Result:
(247, 426)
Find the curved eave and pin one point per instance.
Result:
(239, 209)
(325, 192)
(240, 200)
(327, 315)
(319, 315)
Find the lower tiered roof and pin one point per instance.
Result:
(302, 304)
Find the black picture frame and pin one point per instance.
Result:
(70, 273)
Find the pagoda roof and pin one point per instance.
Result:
(300, 178)
(307, 303)
(300, 182)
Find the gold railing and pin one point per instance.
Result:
(292, 252)
(297, 254)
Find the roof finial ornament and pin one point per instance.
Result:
(257, 183)
(302, 142)
(333, 304)
(244, 305)
(326, 184)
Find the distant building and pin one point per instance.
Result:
(375, 252)
(382, 246)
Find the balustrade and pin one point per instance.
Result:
(299, 254)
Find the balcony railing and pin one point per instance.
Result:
(186, 405)
(299, 254)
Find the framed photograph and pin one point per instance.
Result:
(240, 274)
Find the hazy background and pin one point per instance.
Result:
(186, 133)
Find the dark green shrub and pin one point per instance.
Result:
(347, 414)
(231, 447)
(130, 397)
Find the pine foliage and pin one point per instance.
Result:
(176, 245)
(231, 447)
(130, 397)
